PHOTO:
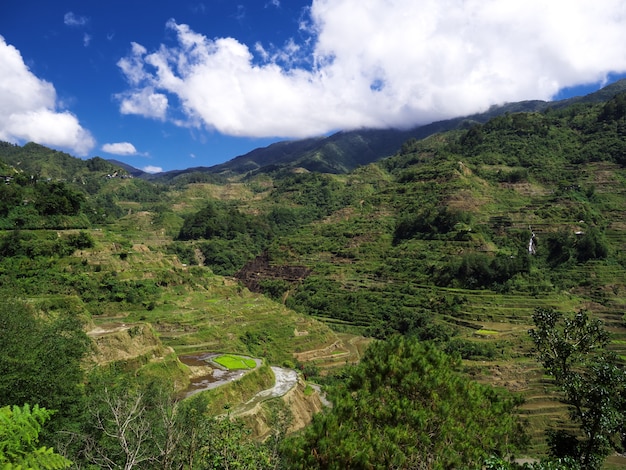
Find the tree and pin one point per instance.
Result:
(137, 424)
(40, 359)
(19, 434)
(592, 245)
(572, 350)
(57, 199)
(407, 406)
(124, 429)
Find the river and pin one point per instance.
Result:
(285, 379)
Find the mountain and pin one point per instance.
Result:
(137, 173)
(431, 243)
(344, 151)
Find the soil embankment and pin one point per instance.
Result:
(121, 342)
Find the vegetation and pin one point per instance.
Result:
(407, 406)
(40, 360)
(19, 433)
(573, 350)
(442, 256)
(235, 362)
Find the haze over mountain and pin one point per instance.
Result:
(344, 151)
(195, 83)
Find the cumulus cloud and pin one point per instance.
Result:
(152, 169)
(144, 102)
(380, 63)
(120, 148)
(29, 108)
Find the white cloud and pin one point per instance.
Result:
(29, 108)
(70, 19)
(152, 169)
(144, 102)
(381, 63)
(120, 148)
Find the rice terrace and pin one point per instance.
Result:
(456, 303)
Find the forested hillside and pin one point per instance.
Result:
(486, 267)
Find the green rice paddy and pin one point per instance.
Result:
(233, 362)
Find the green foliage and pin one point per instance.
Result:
(220, 443)
(320, 194)
(564, 246)
(614, 109)
(471, 349)
(215, 221)
(381, 312)
(136, 424)
(235, 362)
(184, 251)
(19, 434)
(592, 245)
(406, 406)
(40, 359)
(232, 237)
(573, 351)
(226, 257)
(429, 223)
(80, 241)
(138, 190)
(498, 463)
(57, 199)
(430, 244)
(478, 270)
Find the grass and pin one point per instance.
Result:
(487, 332)
(233, 362)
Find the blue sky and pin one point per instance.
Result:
(166, 85)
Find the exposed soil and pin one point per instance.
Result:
(260, 269)
(121, 342)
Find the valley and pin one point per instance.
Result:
(304, 270)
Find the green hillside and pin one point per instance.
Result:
(454, 241)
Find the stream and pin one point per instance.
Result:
(285, 379)
(216, 377)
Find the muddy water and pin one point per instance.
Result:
(218, 376)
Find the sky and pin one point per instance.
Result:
(174, 84)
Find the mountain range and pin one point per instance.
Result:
(344, 151)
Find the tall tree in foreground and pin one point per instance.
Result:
(573, 351)
(406, 405)
(137, 424)
(40, 360)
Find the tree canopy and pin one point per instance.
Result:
(406, 405)
(40, 359)
(572, 349)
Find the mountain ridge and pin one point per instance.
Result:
(344, 151)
